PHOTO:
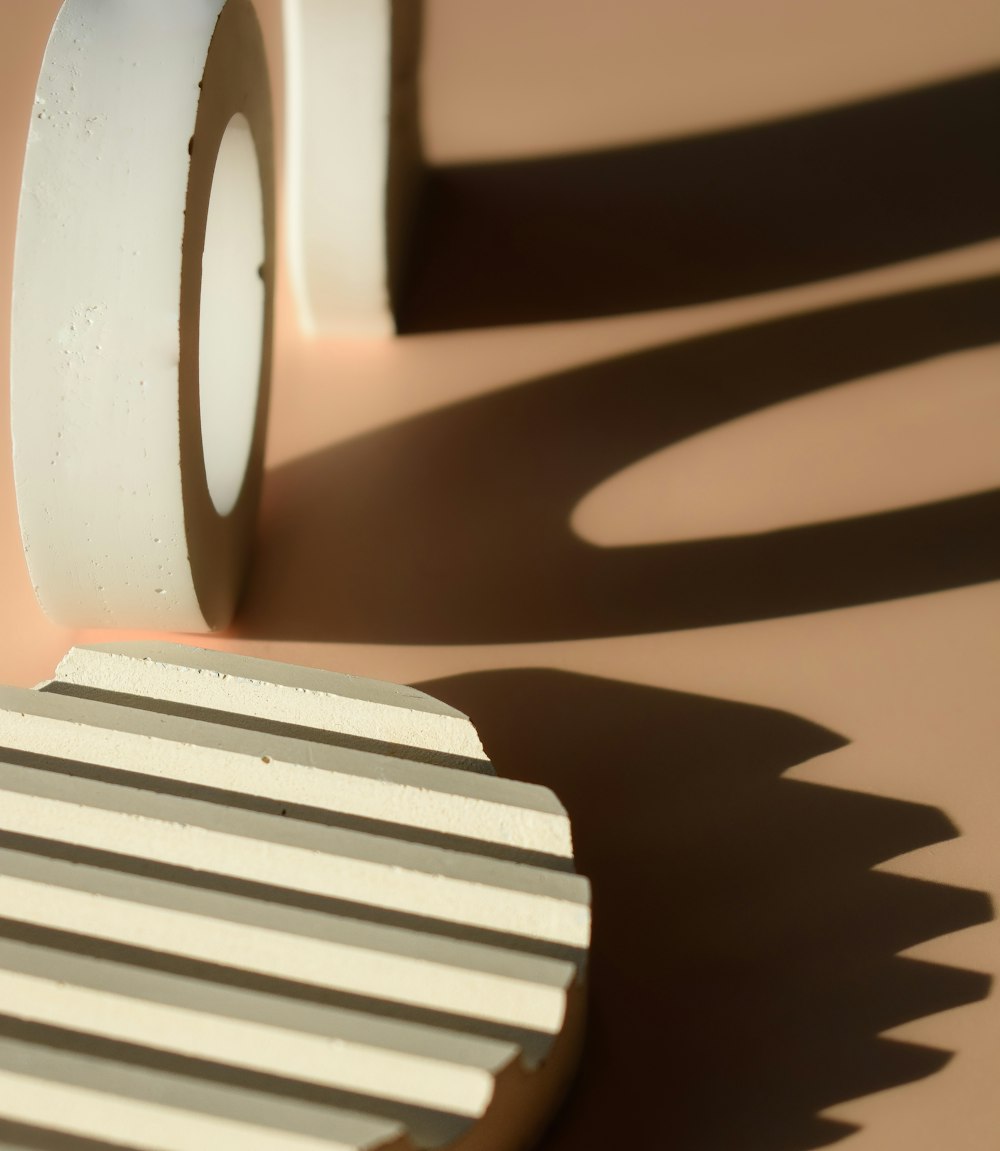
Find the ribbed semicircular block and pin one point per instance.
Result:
(257, 907)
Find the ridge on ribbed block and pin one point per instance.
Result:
(320, 701)
(248, 905)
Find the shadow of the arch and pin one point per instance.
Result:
(711, 216)
(745, 952)
(454, 526)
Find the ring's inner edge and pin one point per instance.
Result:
(232, 315)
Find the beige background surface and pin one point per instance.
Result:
(684, 483)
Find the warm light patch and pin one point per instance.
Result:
(872, 445)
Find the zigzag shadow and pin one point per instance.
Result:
(709, 216)
(745, 954)
(453, 527)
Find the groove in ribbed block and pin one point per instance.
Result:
(347, 865)
(138, 1107)
(282, 769)
(284, 692)
(287, 943)
(427, 1067)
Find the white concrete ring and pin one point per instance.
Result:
(142, 312)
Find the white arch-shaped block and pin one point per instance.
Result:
(352, 157)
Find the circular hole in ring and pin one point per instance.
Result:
(232, 314)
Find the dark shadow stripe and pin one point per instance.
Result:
(285, 897)
(272, 727)
(122, 777)
(430, 1128)
(492, 482)
(535, 1044)
(26, 1138)
(706, 217)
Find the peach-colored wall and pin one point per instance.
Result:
(530, 77)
